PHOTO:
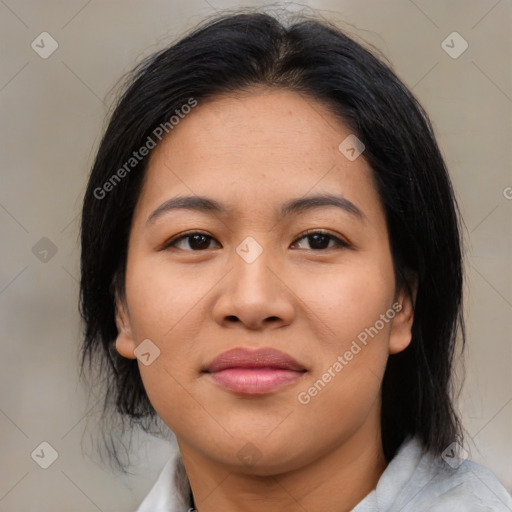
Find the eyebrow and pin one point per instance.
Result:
(294, 206)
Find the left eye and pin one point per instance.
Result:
(319, 240)
(196, 241)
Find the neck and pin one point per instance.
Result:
(335, 481)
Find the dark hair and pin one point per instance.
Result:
(229, 54)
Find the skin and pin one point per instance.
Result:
(253, 152)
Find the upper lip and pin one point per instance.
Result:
(253, 358)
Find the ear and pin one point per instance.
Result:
(401, 329)
(125, 343)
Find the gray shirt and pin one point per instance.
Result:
(414, 481)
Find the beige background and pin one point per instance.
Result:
(53, 113)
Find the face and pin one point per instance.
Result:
(263, 266)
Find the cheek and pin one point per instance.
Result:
(163, 300)
(165, 307)
(345, 382)
(348, 300)
(352, 336)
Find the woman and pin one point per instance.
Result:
(271, 264)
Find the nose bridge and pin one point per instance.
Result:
(251, 266)
(253, 294)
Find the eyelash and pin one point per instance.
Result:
(338, 242)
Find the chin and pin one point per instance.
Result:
(257, 456)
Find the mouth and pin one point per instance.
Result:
(254, 372)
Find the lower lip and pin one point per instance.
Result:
(255, 381)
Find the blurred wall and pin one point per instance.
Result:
(53, 107)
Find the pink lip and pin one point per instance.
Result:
(254, 372)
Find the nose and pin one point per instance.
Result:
(255, 294)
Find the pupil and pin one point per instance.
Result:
(316, 238)
(199, 246)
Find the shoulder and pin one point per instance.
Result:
(470, 487)
(417, 481)
(438, 483)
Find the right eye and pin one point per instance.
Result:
(194, 241)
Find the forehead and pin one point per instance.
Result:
(262, 123)
(262, 146)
